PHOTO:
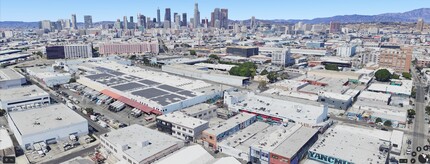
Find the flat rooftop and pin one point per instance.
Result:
(246, 137)
(375, 96)
(180, 118)
(287, 110)
(135, 136)
(405, 88)
(9, 74)
(6, 141)
(45, 118)
(198, 108)
(190, 154)
(295, 142)
(341, 140)
(230, 123)
(272, 140)
(24, 92)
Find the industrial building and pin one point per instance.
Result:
(21, 98)
(46, 124)
(285, 145)
(13, 57)
(69, 51)
(7, 149)
(201, 111)
(137, 144)
(205, 74)
(129, 48)
(194, 154)
(242, 51)
(148, 91)
(48, 76)
(370, 145)
(212, 136)
(277, 110)
(396, 87)
(181, 126)
(10, 78)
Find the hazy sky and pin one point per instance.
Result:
(110, 10)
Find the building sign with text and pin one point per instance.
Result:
(326, 159)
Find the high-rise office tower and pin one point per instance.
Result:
(167, 16)
(158, 17)
(334, 27)
(212, 24)
(252, 24)
(217, 15)
(191, 22)
(117, 24)
(177, 21)
(224, 18)
(74, 24)
(46, 25)
(131, 24)
(88, 21)
(125, 23)
(174, 15)
(67, 24)
(196, 22)
(420, 24)
(148, 23)
(59, 25)
(184, 19)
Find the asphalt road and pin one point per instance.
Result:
(419, 132)
(69, 156)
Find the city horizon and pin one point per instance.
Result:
(235, 13)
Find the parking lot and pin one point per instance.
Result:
(43, 152)
(104, 115)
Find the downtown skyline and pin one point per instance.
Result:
(238, 10)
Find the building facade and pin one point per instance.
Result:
(128, 48)
(397, 59)
(242, 51)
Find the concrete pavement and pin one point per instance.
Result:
(420, 125)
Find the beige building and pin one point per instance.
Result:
(396, 59)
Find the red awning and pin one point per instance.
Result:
(135, 104)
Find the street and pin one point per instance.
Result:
(419, 131)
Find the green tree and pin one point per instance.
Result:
(332, 67)
(428, 109)
(89, 111)
(378, 120)
(193, 52)
(2, 112)
(72, 80)
(383, 75)
(214, 57)
(264, 72)
(262, 85)
(411, 113)
(272, 76)
(395, 76)
(132, 57)
(388, 123)
(38, 53)
(407, 75)
(246, 69)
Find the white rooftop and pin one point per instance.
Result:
(39, 120)
(17, 93)
(198, 108)
(295, 142)
(216, 66)
(9, 74)
(341, 140)
(227, 160)
(6, 141)
(375, 96)
(274, 139)
(135, 136)
(242, 139)
(230, 123)
(404, 89)
(194, 154)
(180, 118)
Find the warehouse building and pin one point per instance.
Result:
(212, 136)
(10, 78)
(48, 76)
(148, 91)
(7, 149)
(46, 124)
(202, 111)
(276, 110)
(69, 51)
(194, 154)
(204, 73)
(181, 126)
(337, 144)
(21, 98)
(137, 144)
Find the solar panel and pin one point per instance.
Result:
(149, 93)
(168, 99)
(149, 82)
(107, 70)
(169, 88)
(99, 76)
(128, 86)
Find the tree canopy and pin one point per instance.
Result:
(272, 76)
(388, 123)
(264, 72)
(383, 75)
(214, 57)
(332, 67)
(246, 69)
(407, 75)
(193, 52)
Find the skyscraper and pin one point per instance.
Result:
(334, 27)
(88, 21)
(74, 24)
(148, 23)
(420, 25)
(252, 24)
(117, 24)
(125, 23)
(158, 17)
(224, 18)
(217, 16)
(46, 25)
(59, 25)
(184, 19)
(131, 23)
(177, 21)
(196, 22)
(167, 16)
(212, 24)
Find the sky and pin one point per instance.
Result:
(110, 10)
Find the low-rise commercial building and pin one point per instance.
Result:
(129, 48)
(181, 126)
(201, 111)
(137, 144)
(242, 51)
(46, 124)
(212, 136)
(21, 98)
(7, 149)
(400, 87)
(69, 51)
(48, 76)
(10, 78)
